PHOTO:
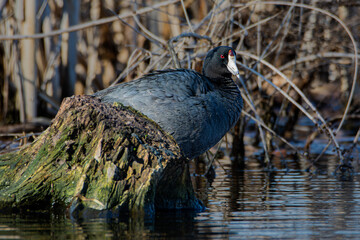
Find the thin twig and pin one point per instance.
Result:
(186, 16)
(130, 67)
(152, 37)
(247, 28)
(258, 121)
(176, 38)
(355, 58)
(89, 24)
(324, 124)
(314, 57)
(248, 99)
(210, 162)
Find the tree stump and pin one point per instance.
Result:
(97, 157)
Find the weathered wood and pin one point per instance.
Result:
(98, 156)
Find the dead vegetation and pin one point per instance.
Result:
(299, 59)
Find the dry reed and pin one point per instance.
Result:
(306, 45)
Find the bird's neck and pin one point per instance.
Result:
(230, 93)
(231, 101)
(226, 85)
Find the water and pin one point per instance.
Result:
(288, 203)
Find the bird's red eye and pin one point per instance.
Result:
(222, 56)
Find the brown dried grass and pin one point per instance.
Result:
(313, 46)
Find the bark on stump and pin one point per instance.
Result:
(100, 158)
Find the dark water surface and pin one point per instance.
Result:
(287, 203)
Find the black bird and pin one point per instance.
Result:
(196, 109)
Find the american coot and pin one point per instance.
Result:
(196, 109)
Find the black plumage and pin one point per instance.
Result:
(196, 109)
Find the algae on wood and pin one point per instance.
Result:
(101, 157)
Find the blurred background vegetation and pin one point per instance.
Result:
(51, 49)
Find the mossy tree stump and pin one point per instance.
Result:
(97, 156)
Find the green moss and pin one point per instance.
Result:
(92, 157)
